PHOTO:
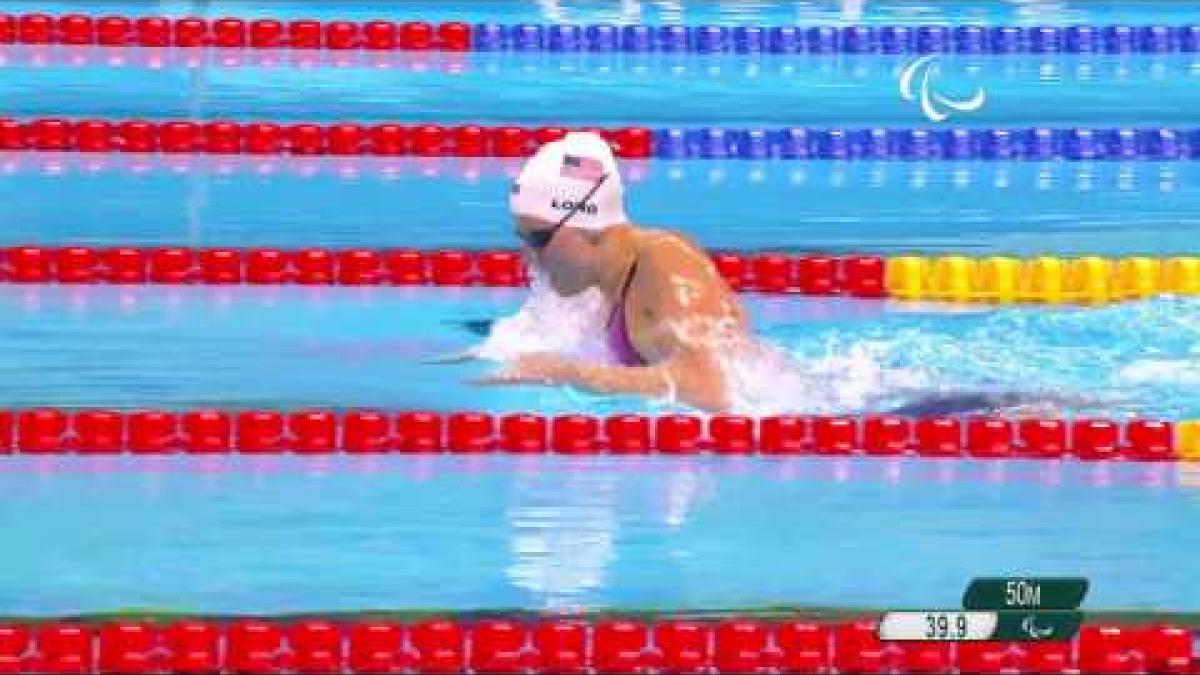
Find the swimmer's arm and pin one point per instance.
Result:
(642, 380)
(691, 377)
(691, 374)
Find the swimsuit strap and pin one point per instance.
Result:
(618, 332)
(619, 305)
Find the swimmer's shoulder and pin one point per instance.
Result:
(682, 279)
(659, 247)
(658, 236)
(671, 259)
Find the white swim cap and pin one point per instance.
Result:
(561, 174)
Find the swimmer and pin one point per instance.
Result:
(669, 311)
(671, 323)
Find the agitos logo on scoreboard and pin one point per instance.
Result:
(1006, 609)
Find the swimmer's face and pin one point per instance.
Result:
(565, 254)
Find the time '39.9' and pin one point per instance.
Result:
(946, 626)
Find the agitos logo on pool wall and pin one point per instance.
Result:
(936, 107)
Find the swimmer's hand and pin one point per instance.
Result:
(690, 378)
(533, 368)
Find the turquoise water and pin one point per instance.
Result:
(586, 89)
(1020, 208)
(288, 534)
(309, 534)
(345, 347)
(728, 12)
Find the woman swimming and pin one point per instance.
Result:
(668, 309)
(672, 327)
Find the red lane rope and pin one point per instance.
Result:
(148, 432)
(265, 138)
(270, 138)
(858, 276)
(554, 645)
(231, 32)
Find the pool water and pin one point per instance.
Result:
(364, 347)
(725, 12)
(290, 534)
(283, 534)
(1005, 208)
(596, 89)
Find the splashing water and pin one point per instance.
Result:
(549, 322)
(1138, 358)
(763, 378)
(767, 379)
(1163, 371)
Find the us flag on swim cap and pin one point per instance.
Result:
(582, 168)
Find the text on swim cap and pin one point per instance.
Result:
(580, 207)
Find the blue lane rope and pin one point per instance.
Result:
(951, 144)
(1116, 39)
(798, 142)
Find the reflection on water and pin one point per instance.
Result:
(729, 12)
(346, 347)
(565, 525)
(563, 529)
(293, 534)
(372, 70)
(805, 11)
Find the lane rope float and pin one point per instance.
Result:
(551, 644)
(57, 431)
(227, 137)
(1085, 280)
(234, 33)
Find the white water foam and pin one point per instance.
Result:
(549, 322)
(764, 378)
(1131, 358)
(1162, 371)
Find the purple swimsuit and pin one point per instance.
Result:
(618, 331)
